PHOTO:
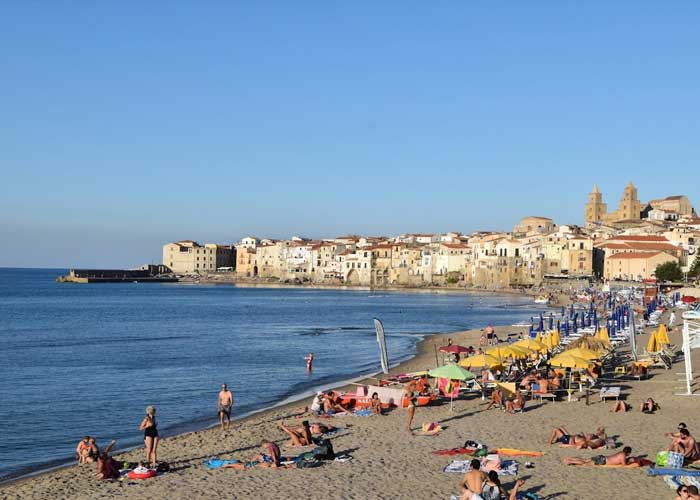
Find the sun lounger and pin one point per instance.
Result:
(545, 395)
(609, 392)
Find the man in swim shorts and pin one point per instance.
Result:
(619, 458)
(224, 406)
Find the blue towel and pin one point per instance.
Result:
(363, 413)
(664, 471)
(216, 463)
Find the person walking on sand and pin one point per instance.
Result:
(150, 435)
(309, 362)
(224, 406)
(412, 395)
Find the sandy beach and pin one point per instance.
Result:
(389, 463)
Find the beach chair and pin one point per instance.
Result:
(610, 392)
(545, 395)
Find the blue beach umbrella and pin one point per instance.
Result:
(541, 327)
(551, 322)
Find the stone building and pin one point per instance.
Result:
(596, 210)
(189, 257)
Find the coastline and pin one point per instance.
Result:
(385, 454)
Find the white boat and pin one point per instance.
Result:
(541, 300)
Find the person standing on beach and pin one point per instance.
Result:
(309, 362)
(412, 394)
(224, 406)
(150, 435)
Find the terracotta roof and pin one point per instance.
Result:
(638, 237)
(454, 245)
(635, 255)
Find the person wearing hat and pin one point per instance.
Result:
(150, 435)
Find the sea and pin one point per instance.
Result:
(86, 359)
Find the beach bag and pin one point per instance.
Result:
(662, 458)
(473, 444)
(675, 460)
(324, 451)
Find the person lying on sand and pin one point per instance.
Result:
(270, 459)
(107, 467)
(648, 406)
(619, 458)
(620, 407)
(685, 444)
(596, 440)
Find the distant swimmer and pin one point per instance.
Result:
(224, 406)
(309, 361)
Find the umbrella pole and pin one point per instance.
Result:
(436, 356)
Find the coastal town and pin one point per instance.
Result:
(627, 244)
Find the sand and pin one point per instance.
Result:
(389, 463)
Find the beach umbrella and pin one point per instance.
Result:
(532, 331)
(563, 311)
(508, 387)
(454, 349)
(662, 335)
(481, 360)
(555, 338)
(541, 327)
(603, 335)
(551, 322)
(531, 344)
(653, 344)
(510, 350)
(451, 372)
(582, 352)
(567, 361)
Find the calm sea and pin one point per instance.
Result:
(87, 359)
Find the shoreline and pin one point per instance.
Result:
(290, 401)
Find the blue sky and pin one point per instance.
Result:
(129, 124)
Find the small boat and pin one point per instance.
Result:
(542, 300)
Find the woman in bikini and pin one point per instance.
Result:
(150, 435)
(299, 437)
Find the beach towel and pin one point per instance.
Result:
(515, 452)
(216, 463)
(665, 471)
(296, 459)
(448, 388)
(455, 451)
(508, 467)
(364, 413)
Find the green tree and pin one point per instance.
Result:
(668, 271)
(695, 268)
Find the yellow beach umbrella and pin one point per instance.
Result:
(532, 344)
(507, 386)
(555, 338)
(565, 360)
(603, 334)
(480, 360)
(538, 337)
(582, 352)
(653, 345)
(662, 335)
(507, 351)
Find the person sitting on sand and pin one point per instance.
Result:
(299, 437)
(648, 406)
(82, 450)
(516, 404)
(474, 480)
(619, 458)
(620, 407)
(331, 404)
(316, 404)
(376, 404)
(492, 489)
(107, 467)
(685, 444)
(496, 398)
(423, 385)
(693, 493)
(682, 425)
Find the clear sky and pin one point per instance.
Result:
(125, 124)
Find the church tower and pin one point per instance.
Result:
(595, 208)
(630, 207)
